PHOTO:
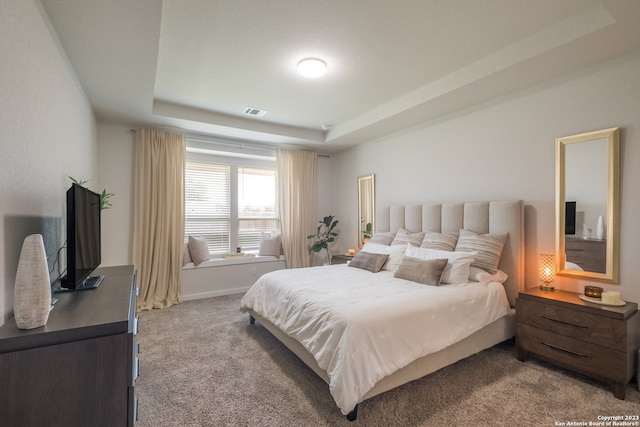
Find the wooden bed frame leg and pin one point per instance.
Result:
(252, 320)
(351, 416)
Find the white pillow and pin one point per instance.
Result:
(479, 275)
(458, 263)
(395, 254)
(271, 244)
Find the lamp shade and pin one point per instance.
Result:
(546, 268)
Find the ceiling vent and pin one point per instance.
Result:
(254, 112)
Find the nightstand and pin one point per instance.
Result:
(341, 259)
(595, 340)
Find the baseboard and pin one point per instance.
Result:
(211, 294)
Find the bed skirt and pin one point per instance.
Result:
(500, 330)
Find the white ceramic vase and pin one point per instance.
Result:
(600, 228)
(32, 293)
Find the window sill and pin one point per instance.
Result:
(219, 262)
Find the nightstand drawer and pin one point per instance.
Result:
(573, 323)
(586, 358)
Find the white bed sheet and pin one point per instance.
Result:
(361, 326)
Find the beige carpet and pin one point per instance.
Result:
(202, 364)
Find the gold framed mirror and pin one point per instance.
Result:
(366, 208)
(587, 205)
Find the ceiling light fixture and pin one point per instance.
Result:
(312, 67)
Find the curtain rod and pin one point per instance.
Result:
(234, 144)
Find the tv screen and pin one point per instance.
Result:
(570, 218)
(83, 238)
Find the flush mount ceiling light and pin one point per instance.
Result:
(312, 67)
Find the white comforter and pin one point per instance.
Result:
(362, 326)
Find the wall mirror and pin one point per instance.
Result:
(366, 208)
(587, 205)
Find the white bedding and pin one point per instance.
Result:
(362, 326)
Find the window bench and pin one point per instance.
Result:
(219, 276)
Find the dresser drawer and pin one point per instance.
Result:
(576, 324)
(587, 358)
(590, 254)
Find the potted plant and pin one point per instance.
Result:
(324, 235)
(367, 232)
(105, 202)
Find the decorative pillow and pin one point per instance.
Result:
(457, 269)
(369, 261)
(439, 241)
(199, 250)
(395, 254)
(417, 270)
(488, 246)
(186, 255)
(271, 244)
(479, 275)
(405, 236)
(383, 238)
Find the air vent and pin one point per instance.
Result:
(254, 112)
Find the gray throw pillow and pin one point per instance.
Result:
(439, 241)
(199, 250)
(383, 238)
(369, 261)
(488, 246)
(427, 272)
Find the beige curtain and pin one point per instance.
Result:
(158, 217)
(297, 184)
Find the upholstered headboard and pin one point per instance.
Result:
(481, 217)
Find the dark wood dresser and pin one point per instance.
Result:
(80, 368)
(590, 254)
(594, 340)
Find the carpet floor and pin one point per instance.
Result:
(203, 364)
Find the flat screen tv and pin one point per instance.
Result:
(570, 218)
(83, 239)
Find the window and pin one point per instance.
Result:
(230, 201)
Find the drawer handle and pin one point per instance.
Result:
(555, 347)
(564, 322)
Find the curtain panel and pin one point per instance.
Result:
(297, 186)
(158, 228)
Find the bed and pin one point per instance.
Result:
(365, 333)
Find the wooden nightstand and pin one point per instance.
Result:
(594, 340)
(341, 259)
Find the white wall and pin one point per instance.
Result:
(506, 150)
(116, 175)
(48, 131)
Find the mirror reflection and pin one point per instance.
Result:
(366, 208)
(587, 204)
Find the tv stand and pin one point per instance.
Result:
(80, 368)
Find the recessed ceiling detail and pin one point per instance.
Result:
(202, 64)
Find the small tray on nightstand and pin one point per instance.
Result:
(597, 301)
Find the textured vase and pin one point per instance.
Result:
(32, 293)
(600, 228)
